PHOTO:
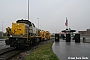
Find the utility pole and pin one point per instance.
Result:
(38, 23)
(2, 29)
(38, 26)
(28, 9)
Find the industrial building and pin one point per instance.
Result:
(84, 33)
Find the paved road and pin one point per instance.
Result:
(2, 39)
(2, 45)
(67, 51)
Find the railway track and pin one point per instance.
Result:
(29, 50)
(8, 53)
(2, 51)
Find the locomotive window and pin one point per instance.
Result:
(33, 25)
(24, 21)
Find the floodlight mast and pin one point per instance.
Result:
(28, 9)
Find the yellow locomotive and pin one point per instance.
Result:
(48, 35)
(24, 33)
(45, 35)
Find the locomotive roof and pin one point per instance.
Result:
(24, 21)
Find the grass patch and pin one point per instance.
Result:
(52, 37)
(44, 52)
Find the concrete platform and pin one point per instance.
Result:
(71, 51)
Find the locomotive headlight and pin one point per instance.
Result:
(10, 35)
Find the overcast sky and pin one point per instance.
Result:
(51, 13)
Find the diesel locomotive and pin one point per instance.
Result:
(24, 33)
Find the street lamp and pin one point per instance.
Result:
(2, 29)
(38, 23)
(28, 9)
(40, 27)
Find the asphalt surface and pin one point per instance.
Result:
(72, 50)
(2, 39)
(3, 45)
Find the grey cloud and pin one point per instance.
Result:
(51, 13)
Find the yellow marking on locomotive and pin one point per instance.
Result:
(8, 32)
(43, 34)
(19, 29)
(48, 35)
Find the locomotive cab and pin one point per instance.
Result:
(20, 34)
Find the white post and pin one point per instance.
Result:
(38, 25)
(28, 9)
(2, 29)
